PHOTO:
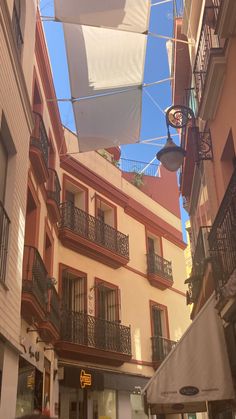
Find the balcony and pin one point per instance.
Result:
(161, 347)
(4, 233)
(222, 239)
(210, 65)
(93, 339)
(226, 19)
(159, 271)
(53, 190)
(39, 149)
(38, 302)
(91, 237)
(200, 259)
(17, 30)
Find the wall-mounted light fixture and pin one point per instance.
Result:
(171, 156)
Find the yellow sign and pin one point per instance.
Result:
(85, 379)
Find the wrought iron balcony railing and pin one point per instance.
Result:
(201, 250)
(159, 266)
(4, 233)
(93, 229)
(82, 329)
(53, 186)
(39, 137)
(35, 276)
(161, 347)
(17, 29)
(132, 166)
(222, 238)
(207, 41)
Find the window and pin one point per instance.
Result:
(107, 301)
(105, 212)
(7, 149)
(32, 217)
(3, 169)
(48, 251)
(228, 159)
(18, 23)
(75, 193)
(161, 344)
(73, 291)
(154, 245)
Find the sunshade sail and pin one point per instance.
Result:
(102, 59)
(126, 15)
(197, 369)
(105, 121)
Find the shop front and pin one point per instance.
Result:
(99, 394)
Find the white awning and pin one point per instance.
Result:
(102, 59)
(126, 15)
(105, 121)
(196, 370)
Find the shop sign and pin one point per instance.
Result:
(189, 391)
(31, 353)
(85, 379)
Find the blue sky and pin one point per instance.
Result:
(156, 68)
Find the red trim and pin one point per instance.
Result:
(135, 271)
(109, 204)
(137, 362)
(67, 179)
(178, 292)
(88, 354)
(48, 86)
(131, 207)
(90, 249)
(159, 281)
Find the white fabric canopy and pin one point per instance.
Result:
(102, 59)
(105, 121)
(196, 370)
(127, 15)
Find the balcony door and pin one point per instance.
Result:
(159, 325)
(74, 308)
(107, 330)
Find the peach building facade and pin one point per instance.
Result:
(92, 291)
(208, 174)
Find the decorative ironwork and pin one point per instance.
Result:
(161, 347)
(222, 239)
(160, 266)
(132, 166)
(208, 40)
(4, 233)
(17, 29)
(93, 229)
(201, 255)
(35, 275)
(39, 137)
(178, 116)
(83, 329)
(204, 146)
(54, 307)
(53, 186)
